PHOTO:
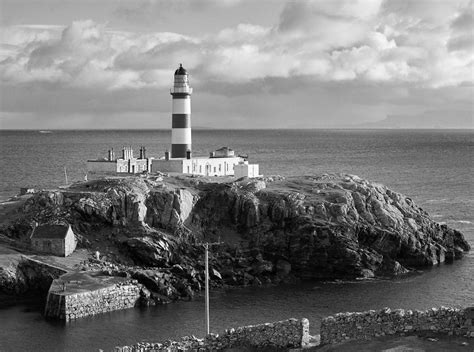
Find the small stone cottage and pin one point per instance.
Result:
(53, 239)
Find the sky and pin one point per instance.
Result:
(109, 64)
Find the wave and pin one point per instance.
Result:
(463, 221)
(442, 200)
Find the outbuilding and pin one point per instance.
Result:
(53, 239)
(244, 169)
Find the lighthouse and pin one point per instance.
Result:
(181, 115)
(221, 162)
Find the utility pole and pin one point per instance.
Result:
(206, 260)
(206, 256)
(65, 174)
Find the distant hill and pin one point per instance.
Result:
(428, 119)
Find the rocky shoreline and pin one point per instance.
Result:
(271, 230)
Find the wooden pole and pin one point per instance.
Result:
(65, 174)
(206, 246)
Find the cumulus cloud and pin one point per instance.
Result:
(330, 40)
(83, 55)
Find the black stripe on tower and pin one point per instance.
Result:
(179, 150)
(181, 95)
(181, 121)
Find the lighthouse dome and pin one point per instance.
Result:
(181, 71)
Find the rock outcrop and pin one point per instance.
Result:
(318, 227)
(24, 275)
(331, 226)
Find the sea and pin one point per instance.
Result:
(433, 167)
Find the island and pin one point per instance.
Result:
(140, 237)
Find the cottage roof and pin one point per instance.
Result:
(50, 231)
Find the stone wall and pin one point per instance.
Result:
(366, 325)
(69, 306)
(291, 333)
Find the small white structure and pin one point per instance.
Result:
(244, 169)
(126, 164)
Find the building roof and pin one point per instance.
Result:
(223, 149)
(50, 231)
(181, 70)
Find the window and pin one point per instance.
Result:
(200, 169)
(219, 167)
(214, 169)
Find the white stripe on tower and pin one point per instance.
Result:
(181, 119)
(181, 135)
(182, 106)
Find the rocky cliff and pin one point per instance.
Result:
(20, 275)
(318, 227)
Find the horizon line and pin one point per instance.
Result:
(242, 129)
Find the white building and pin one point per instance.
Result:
(244, 169)
(219, 163)
(126, 164)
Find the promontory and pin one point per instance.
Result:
(267, 230)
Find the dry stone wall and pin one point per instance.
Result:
(70, 306)
(366, 325)
(291, 333)
(342, 327)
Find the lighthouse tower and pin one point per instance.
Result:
(181, 120)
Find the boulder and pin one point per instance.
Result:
(151, 251)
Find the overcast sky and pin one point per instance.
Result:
(252, 64)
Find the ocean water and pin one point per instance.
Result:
(433, 167)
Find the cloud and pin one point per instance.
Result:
(462, 31)
(327, 24)
(82, 56)
(88, 66)
(153, 10)
(329, 40)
